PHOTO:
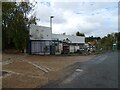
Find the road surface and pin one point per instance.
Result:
(101, 72)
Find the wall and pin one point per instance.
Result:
(76, 48)
(72, 48)
(61, 47)
(40, 47)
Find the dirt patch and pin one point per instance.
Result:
(12, 51)
(55, 63)
(19, 81)
(24, 68)
(8, 58)
(26, 75)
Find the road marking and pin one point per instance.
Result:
(37, 66)
(78, 70)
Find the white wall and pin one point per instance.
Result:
(73, 39)
(86, 45)
(72, 48)
(76, 48)
(40, 33)
(61, 47)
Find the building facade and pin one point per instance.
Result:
(42, 41)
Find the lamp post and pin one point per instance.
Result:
(51, 22)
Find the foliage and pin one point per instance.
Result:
(80, 34)
(118, 39)
(91, 39)
(15, 24)
(106, 42)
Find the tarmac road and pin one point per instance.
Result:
(101, 72)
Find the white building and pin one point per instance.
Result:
(73, 43)
(42, 41)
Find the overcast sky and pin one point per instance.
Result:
(91, 18)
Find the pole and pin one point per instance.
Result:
(51, 22)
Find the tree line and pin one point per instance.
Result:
(106, 42)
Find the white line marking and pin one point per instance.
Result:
(78, 70)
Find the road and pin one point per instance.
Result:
(101, 72)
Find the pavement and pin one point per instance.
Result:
(100, 72)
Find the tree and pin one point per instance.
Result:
(91, 39)
(15, 24)
(8, 10)
(108, 41)
(80, 34)
(117, 36)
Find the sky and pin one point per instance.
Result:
(91, 18)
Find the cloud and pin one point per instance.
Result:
(44, 11)
(91, 18)
(67, 5)
(58, 16)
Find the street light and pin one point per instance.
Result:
(51, 22)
